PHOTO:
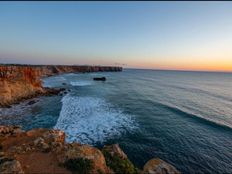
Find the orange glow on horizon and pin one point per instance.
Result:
(204, 65)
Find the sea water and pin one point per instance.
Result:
(184, 118)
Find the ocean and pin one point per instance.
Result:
(184, 118)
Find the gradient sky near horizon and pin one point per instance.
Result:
(158, 35)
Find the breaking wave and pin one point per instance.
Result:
(80, 83)
(91, 120)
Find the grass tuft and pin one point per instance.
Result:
(79, 165)
(119, 165)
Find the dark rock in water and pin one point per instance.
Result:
(99, 78)
(31, 102)
(62, 89)
(53, 91)
(64, 83)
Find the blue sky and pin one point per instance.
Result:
(163, 35)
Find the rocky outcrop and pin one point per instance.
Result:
(115, 150)
(6, 131)
(117, 160)
(20, 82)
(77, 151)
(158, 166)
(11, 166)
(45, 151)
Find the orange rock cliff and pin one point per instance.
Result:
(18, 82)
(45, 151)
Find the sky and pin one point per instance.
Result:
(154, 35)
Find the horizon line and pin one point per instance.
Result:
(153, 69)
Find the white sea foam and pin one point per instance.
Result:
(91, 120)
(71, 74)
(81, 83)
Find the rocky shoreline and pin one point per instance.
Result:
(45, 151)
(21, 82)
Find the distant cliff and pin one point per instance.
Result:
(18, 82)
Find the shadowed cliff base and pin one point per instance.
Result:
(20, 82)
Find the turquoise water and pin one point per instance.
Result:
(184, 118)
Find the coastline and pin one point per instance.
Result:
(22, 82)
(20, 152)
(19, 149)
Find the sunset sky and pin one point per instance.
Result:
(157, 35)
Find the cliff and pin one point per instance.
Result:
(18, 82)
(45, 151)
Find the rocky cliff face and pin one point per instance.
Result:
(45, 151)
(19, 82)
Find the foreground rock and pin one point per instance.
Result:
(117, 160)
(45, 151)
(158, 166)
(78, 152)
(11, 166)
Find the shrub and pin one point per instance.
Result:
(79, 165)
(119, 165)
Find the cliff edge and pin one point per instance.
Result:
(19, 82)
(45, 151)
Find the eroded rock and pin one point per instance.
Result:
(31, 102)
(10, 130)
(57, 136)
(115, 150)
(49, 147)
(41, 144)
(117, 160)
(158, 166)
(11, 167)
(75, 151)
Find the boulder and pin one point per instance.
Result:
(2, 154)
(12, 167)
(78, 151)
(9, 130)
(31, 102)
(115, 150)
(54, 136)
(40, 143)
(117, 160)
(158, 166)
(53, 91)
(35, 132)
(16, 150)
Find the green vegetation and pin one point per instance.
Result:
(100, 172)
(79, 165)
(119, 165)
